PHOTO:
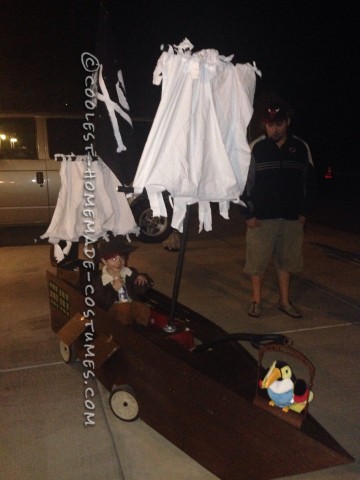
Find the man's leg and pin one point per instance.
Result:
(257, 282)
(284, 287)
(259, 248)
(284, 303)
(255, 306)
(288, 258)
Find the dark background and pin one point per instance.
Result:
(307, 52)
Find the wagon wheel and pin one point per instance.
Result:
(67, 352)
(124, 404)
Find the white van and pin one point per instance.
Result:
(29, 174)
(29, 178)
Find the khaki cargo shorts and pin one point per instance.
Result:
(278, 238)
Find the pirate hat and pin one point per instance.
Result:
(115, 246)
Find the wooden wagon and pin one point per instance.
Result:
(196, 386)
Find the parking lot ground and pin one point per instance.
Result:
(43, 435)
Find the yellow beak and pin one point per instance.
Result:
(272, 375)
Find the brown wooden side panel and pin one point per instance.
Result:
(65, 301)
(72, 330)
(222, 431)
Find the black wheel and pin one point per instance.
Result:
(67, 352)
(123, 403)
(152, 229)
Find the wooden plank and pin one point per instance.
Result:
(72, 330)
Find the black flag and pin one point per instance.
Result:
(114, 139)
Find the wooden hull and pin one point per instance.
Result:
(203, 403)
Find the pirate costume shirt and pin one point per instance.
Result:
(107, 278)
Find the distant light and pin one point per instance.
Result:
(2, 136)
(329, 173)
(13, 140)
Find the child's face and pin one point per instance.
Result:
(114, 263)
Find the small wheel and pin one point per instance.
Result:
(124, 404)
(67, 352)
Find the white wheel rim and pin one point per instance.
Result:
(64, 351)
(124, 405)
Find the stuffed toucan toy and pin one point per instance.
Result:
(284, 389)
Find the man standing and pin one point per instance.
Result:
(276, 195)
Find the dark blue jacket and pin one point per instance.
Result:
(281, 181)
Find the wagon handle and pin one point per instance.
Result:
(288, 350)
(256, 340)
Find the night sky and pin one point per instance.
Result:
(307, 52)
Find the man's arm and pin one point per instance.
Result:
(246, 196)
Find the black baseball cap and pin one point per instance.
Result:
(275, 112)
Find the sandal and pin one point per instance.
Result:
(254, 309)
(290, 310)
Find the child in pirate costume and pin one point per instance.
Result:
(118, 287)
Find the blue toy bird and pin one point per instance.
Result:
(279, 382)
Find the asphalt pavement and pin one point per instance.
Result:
(43, 436)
